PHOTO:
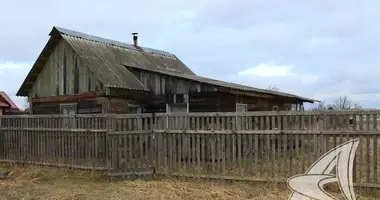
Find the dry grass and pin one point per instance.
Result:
(54, 183)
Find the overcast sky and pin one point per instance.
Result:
(321, 49)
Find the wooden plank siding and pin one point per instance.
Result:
(202, 97)
(64, 74)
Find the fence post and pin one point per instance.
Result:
(111, 126)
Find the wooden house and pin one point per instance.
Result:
(81, 73)
(7, 106)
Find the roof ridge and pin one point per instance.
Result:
(113, 42)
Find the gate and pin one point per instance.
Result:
(131, 153)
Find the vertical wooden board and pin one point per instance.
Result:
(256, 152)
(368, 158)
(158, 150)
(267, 150)
(234, 121)
(203, 140)
(316, 147)
(223, 123)
(297, 122)
(354, 122)
(223, 148)
(375, 122)
(361, 166)
(194, 155)
(164, 152)
(285, 156)
(131, 146)
(280, 122)
(234, 154)
(303, 153)
(268, 123)
(361, 122)
(285, 122)
(250, 123)
(375, 163)
(203, 125)
(228, 153)
(250, 154)
(213, 152)
(239, 149)
(310, 125)
(245, 154)
(170, 152)
(279, 156)
(368, 117)
(273, 123)
(180, 152)
(188, 152)
(297, 158)
(262, 158)
(146, 154)
(198, 149)
(328, 141)
(174, 150)
(303, 123)
(256, 123)
(217, 121)
(291, 154)
(273, 151)
(229, 123)
(114, 154)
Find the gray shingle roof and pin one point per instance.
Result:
(136, 56)
(233, 86)
(108, 58)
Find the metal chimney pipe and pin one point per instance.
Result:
(135, 37)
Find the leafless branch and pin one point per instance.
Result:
(343, 103)
(273, 88)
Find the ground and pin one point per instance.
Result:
(57, 183)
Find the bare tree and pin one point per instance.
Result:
(273, 88)
(343, 103)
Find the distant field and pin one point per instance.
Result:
(52, 183)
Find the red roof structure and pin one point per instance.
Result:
(6, 102)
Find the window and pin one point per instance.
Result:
(70, 110)
(241, 107)
(178, 108)
(134, 109)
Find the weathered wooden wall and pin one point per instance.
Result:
(202, 97)
(123, 106)
(86, 106)
(161, 84)
(64, 74)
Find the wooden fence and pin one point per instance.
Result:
(251, 146)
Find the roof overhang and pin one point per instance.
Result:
(230, 87)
